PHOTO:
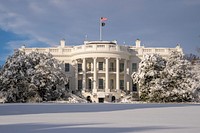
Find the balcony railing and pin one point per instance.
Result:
(99, 47)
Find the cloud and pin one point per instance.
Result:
(49, 21)
(164, 23)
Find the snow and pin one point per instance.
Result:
(99, 118)
(167, 80)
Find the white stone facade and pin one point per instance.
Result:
(101, 70)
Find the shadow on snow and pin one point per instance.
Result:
(22, 109)
(76, 128)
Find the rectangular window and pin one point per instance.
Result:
(79, 67)
(80, 84)
(134, 67)
(112, 69)
(122, 84)
(67, 67)
(100, 65)
(89, 84)
(100, 83)
(134, 87)
(121, 67)
(111, 84)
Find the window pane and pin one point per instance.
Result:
(134, 67)
(111, 84)
(66, 67)
(79, 84)
(121, 67)
(134, 88)
(100, 65)
(122, 84)
(100, 83)
(79, 67)
(112, 68)
(90, 84)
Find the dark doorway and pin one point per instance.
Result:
(101, 100)
(113, 99)
(90, 84)
(89, 99)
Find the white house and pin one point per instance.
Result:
(101, 70)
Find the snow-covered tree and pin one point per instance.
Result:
(32, 77)
(165, 80)
(196, 78)
(192, 58)
(178, 79)
(149, 75)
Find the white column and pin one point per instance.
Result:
(130, 81)
(125, 74)
(76, 75)
(117, 74)
(107, 76)
(95, 75)
(84, 74)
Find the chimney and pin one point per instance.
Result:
(62, 43)
(137, 43)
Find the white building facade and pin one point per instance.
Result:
(101, 70)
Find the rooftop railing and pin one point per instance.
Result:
(100, 47)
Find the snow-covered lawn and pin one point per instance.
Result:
(99, 118)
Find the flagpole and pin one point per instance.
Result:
(100, 29)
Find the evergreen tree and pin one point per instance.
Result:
(178, 79)
(148, 76)
(32, 77)
(165, 80)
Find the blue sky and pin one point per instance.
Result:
(42, 23)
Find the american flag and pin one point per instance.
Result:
(103, 19)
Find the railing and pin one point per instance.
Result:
(81, 48)
(89, 46)
(55, 50)
(28, 50)
(147, 50)
(159, 50)
(41, 50)
(100, 47)
(162, 51)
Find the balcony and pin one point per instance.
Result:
(99, 47)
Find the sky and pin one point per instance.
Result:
(43, 23)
